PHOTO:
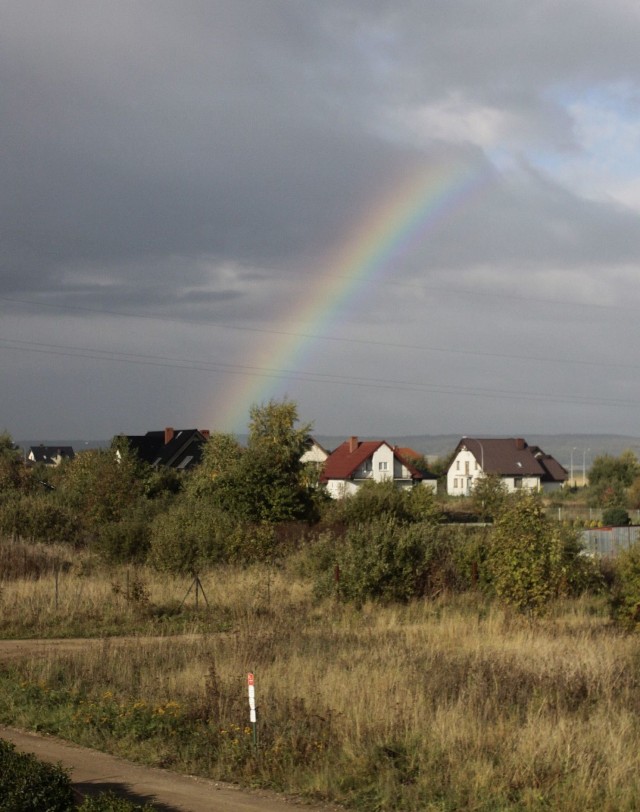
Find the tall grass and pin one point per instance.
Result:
(446, 705)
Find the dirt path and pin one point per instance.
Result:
(93, 772)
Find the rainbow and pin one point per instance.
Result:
(413, 209)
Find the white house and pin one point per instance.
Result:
(314, 453)
(519, 465)
(354, 463)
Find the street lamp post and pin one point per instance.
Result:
(584, 467)
(575, 448)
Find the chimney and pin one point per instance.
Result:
(205, 433)
(520, 443)
(353, 444)
(168, 435)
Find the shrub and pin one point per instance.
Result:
(615, 517)
(625, 592)
(375, 499)
(532, 559)
(28, 785)
(489, 496)
(386, 560)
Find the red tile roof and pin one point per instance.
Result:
(351, 454)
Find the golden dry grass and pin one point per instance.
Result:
(446, 705)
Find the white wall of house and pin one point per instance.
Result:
(380, 467)
(529, 483)
(430, 484)
(339, 488)
(462, 473)
(314, 454)
(549, 487)
(465, 470)
(383, 464)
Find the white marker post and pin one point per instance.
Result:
(253, 718)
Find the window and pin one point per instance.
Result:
(517, 482)
(457, 465)
(466, 467)
(382, 466)
(455, 482)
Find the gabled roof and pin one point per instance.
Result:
(409, 457)
(171, 448)
(146, 446)
(183, 450)
(554, 471)
(512, 456)
(50, 454)
(351, 454)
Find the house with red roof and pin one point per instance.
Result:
(518, 464)
(355, 462)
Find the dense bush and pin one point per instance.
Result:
(615, 517)
(532, 559)
(376, 499)
(28, 785)
(489, 496)
(625, 588)
(387, 560)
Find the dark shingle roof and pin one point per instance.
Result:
(513, 457)
(183, 450)
(48, 454)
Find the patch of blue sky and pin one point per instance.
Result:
(605, 142)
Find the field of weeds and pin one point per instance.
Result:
(450, 704)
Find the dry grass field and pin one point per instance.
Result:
(453, 704)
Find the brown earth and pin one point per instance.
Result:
(93, 772)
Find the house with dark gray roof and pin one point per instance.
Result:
(172, 448)
(518, 464)
(51, 455)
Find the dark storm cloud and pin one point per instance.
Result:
(246, 131)
(200, 160)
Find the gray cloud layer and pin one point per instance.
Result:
(198, 160)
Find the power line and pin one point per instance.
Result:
(337, 339)
(308, 377)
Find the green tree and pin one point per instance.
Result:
(220, 457)
(606, 468)
(266, 482)
(13, 472)
(610, 478)
(101, 486)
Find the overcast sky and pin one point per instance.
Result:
(178, 181)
